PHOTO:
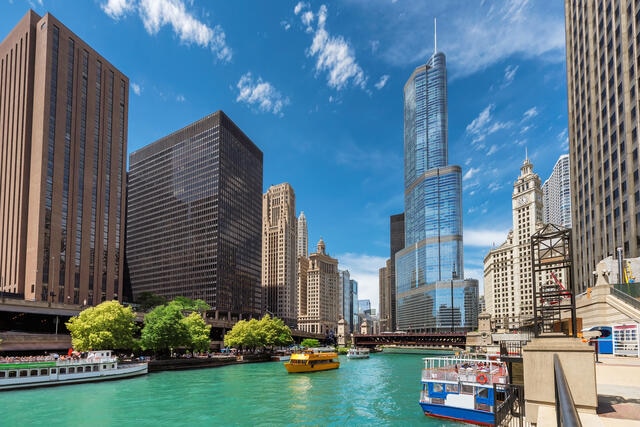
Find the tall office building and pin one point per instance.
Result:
(387, 274)
(556, 195)
(508, 273)
(348, 290)
(303, 236)
(384, 292)
(319, 293)
(279, 247)
(195, 217)
(433, 252)
(603, 60)
(63, 141)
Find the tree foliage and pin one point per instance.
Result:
(167, 328)
(252, 334)
(148, 300)
(310, 342)
(109, 325)
(189, 304)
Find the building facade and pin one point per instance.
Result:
(433, 250)
(349, 300)
(385, 285)
(195, 217)
(556, 195)
(508, 272)
(303, 237)
(319, 293)
(279, 248)
(63, 115)
(603, 46)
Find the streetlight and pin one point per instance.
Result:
(453, 276)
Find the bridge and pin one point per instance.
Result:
(411, 339)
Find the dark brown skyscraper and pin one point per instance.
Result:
(63, 140)
(195, 217)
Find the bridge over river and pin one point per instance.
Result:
(410, 339)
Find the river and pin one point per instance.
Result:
(380, 391)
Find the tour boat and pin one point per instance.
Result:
(37, 371)
(358, 353)
(312, 360)
(463, 388)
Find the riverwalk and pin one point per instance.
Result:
(618, 388)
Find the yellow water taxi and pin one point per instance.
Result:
(312, 360)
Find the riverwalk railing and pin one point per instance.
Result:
(566, 413)
(510, 412)
(623, 292)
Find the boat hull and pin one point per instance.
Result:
(312, 361)
(123, 371)
(311, 367)
(472, 416)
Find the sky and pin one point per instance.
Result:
(318, 87)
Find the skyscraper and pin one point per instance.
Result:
(279, 247)
(433, 250)
(603, 42)
(508, 280)
(303, 236)
(195, 217)
(319, 293)
(556, 195)
(63, 116)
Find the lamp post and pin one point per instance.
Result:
(453, 276)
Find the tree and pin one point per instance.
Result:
(310, 342)
(109, 325)
(274, 332)
(192, 305)
(164, 329)
(252, 334)
(148, 300)
(198, 332)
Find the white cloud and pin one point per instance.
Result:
(530, 113)
(136, 88)
(118, 8)
(470, 174)
(364, 269)
(382, 82)
(285, 25)
(333, 54)
(483, 125)
(155, 14)
(181, 98)
(509, 75)
(492, 150)
(263, 94)
(484, 238)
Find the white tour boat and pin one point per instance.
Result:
(358, 353)
(37, 371)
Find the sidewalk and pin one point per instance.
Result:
(618, 386)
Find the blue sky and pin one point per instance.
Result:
(318, 87)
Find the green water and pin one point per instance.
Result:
(380, 391)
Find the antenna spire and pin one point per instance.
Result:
(435, 36)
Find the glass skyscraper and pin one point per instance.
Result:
(432, 259)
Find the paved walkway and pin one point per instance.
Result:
(618, 384)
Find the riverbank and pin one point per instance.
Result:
(183, 363)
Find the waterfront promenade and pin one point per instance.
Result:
(618, 387)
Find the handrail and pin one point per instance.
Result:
(566, 413)
(624, 296)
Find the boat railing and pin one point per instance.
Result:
(483, 371)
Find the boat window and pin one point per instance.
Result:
(95, 368)
(452, 388)
(13, 374)
(34, 373)
(72, 370)
(44, 371)
(104, 366)
(466, 389)
(483, 392)
(80, 369)
(63, 370)
(24, 372)
(437, 388)
(3, 374)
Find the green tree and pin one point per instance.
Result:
(192, 305)
(198, 332)
(164, 329)
(274, 332)
(310, 342)
(109, 325)
(148, 300)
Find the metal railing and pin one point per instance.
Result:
(620, 292)
(511, 411)
(566, 413)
